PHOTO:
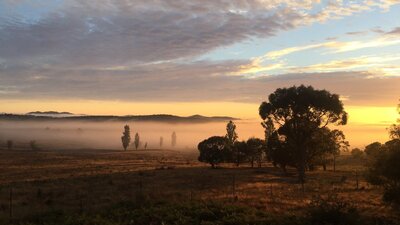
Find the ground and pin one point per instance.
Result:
(89, 180)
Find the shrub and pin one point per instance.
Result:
(356, 153)
(332, 211)
(385, 171)
(34, 145)
(10, 144)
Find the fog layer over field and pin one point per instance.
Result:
(106, 135)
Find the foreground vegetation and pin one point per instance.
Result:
(86, 185)
(321, 211)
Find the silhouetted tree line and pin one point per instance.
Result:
(383, 164)
(295, 122)
(218, 149)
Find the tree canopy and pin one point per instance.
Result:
(297, 113)
(213, 150)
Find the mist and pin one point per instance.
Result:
(61, 135)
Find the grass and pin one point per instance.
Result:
(90, 181)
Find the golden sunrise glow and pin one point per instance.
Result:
(365, 123)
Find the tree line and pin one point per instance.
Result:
(126, 139)
(295, 122)
(297, 125)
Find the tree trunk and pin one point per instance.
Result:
(284, 169)
(302, 165)
(334, 163)
(324, 166)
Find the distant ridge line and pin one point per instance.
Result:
(58, 116)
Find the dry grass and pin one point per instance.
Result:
(88, 180)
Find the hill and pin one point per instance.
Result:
(65, 116)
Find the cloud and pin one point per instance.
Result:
(198, 81)
(287, 51)
(394, 31)
(145, 50)
(104, 32)
(356, 33)
(376, 63)
(334, 47)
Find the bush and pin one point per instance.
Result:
(164, 213)
(332, 211)
(34, 145)
(10, 144)
(385, 171)
(356, 153)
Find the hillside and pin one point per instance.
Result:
(56, 116)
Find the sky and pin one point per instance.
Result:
(210, 57)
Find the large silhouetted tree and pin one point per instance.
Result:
(373, 149)
(137, 141)
(384, 170)
(325, 146)
(255, 148)
(126, 137)
(279, 152)
(213, 150)
(384, 166)
(297, 113)
(240, 153)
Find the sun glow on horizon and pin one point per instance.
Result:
(366, 123)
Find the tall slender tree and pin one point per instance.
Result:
(173, 139)
(161, 141)
(137, 141)
(231, 134)
(231, 138)
(126, 137)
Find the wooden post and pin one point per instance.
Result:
(334, 163)
(141, 186)
(80, 205)
(271, 192)
(191, 189)
(11, 204)
(234, 187)
(356, 180)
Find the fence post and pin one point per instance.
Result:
(80, 205)
(357, 179)
(271, 192)
(191, 189)
(11, 204)
(234, 187)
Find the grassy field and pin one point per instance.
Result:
(77, 181)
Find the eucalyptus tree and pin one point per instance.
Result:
(213, 150)
(297, 113)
